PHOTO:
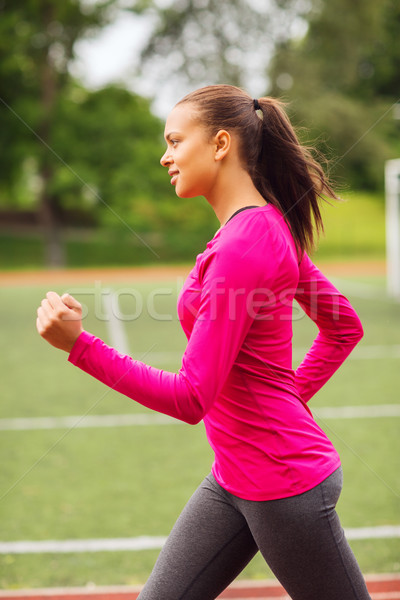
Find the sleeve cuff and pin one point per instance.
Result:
(83, 341)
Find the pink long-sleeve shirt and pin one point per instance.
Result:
(236, 311)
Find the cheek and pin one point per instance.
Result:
(190, 183)
(185, 186)
(197, 186)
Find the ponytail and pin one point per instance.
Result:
(287, 175)
(283, 171)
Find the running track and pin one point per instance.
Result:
(381, 587)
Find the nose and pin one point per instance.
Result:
(165, 160)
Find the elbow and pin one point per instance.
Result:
(196, 413)
(347, 335)
(193, 419)
(351, 330)
(193, 416)
(195, 406)
(358, 332)
(352, 336)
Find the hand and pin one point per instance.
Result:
(59, 320)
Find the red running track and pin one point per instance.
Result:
(381, 587)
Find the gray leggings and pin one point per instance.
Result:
(218, 534)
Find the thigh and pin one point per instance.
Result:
(302, 541)
(207, 548)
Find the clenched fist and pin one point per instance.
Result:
(59, 320)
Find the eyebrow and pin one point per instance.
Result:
(170, 134)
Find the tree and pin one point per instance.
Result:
(37, 39)
(337, 63)
(198, 42)
(341, 80)
(111, 146)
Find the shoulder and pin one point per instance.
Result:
(255, 232)
(252, 245)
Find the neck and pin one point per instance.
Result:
(233, 194)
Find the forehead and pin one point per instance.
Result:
(182, 118)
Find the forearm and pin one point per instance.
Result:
(162, 391)
(340, 329)
(323, 359)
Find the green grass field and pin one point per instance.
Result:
(132, 481)
(354, 228)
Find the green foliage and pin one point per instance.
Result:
(353, 135)
(92, 157)
(342, 78)
(196, 43)
(342, 81)
(110, 145)
(353, 47)
(87, 156)
(40, 121)
(36, 44)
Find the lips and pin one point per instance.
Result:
(174, 176)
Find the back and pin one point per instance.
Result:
(238, 300)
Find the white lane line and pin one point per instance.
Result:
(144, 419)
(79, 422)
(367, 533)
(357, 412)
(152, 542)
(372, 352)
(94, 545)
(114, 323)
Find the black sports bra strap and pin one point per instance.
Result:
(240, 210)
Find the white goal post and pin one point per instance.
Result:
(392, 188)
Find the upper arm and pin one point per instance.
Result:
(324, 303)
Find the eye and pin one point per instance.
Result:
(174, 143)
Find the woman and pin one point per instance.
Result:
(276, 477)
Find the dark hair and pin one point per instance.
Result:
(283, 171)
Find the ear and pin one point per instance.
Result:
(222, 142)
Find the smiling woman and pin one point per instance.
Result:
(276, 477)
(254, 152)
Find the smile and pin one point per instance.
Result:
(174, 176)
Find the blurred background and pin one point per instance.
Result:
(85, 86)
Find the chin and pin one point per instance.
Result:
(185, 194)
(193, 192)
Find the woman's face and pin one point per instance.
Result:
(190, 154)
